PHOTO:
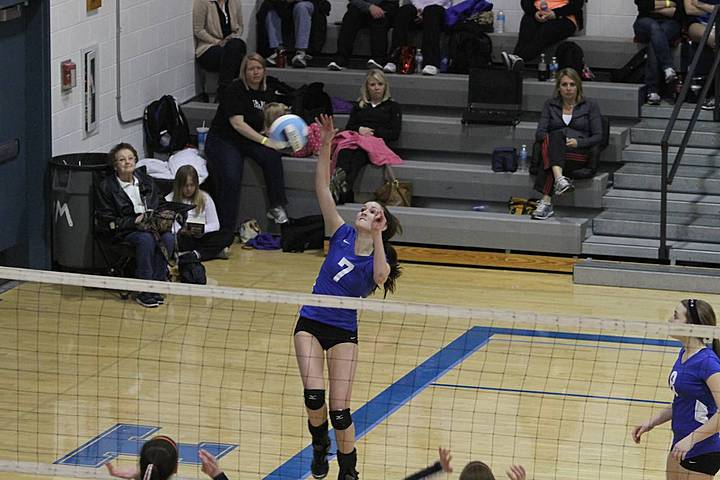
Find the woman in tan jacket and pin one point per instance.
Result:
(217, 27)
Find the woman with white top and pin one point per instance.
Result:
(201, 233)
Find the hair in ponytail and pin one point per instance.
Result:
(700, 312)
(393, 228)
(158, 458)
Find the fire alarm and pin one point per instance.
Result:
(68, 78)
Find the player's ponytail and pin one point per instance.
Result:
(701, 312)
(158, 458)
(393, 228)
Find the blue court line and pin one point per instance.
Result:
(544, 392)
(406, 388)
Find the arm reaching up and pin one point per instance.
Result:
(332, 218)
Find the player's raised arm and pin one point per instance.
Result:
(332, 218)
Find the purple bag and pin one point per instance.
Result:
(464, 10)
(340, 105)
(264, 241)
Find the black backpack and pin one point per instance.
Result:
(570, 55)
(470, 47)
(304, 233)
(165, 126)
(633, 71)
(309, 101)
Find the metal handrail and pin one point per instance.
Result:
(666, 178)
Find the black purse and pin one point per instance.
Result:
(305, 233)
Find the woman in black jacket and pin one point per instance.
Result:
(375, 114)
(544, 23)
(569, 125)
(122, 201)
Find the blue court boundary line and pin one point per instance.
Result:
(418, 379)
(549, 393)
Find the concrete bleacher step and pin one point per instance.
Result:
(650, 131)
(660, 277)
(629, 247)
(689, 179)
(702, 157)
(685, 203)
(449, 90)
(499, 231)
(640, 224)
(446, 134)
(664, 111)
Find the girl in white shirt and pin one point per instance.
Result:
(201, 233)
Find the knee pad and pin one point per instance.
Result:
(341, 419)
(314, 399)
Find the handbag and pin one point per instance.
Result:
(299, 234)
(191, 269)
(394, 193)
(522, 206)
(504, 159)
(159, 221)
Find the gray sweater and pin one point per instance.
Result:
(585, 125)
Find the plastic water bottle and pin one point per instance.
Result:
(524, 162)
(418, 61)
(500, 22)
(542, 69)
(553, 68)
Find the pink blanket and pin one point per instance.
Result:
(378, 153)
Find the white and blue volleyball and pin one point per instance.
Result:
(291, 130)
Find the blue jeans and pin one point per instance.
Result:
(226, 162)
(149, 259)
(657, 33)
(302, 15)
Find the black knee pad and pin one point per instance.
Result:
(341, 419)
(314, 399)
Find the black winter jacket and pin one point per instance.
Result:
(318, 29)
(574, 7)
(385, 119)
(585, 125)
(114, 212)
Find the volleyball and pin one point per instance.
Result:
(291, 130)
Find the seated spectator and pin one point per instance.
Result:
(569, 125)
(201, 233)
(308, 19)
(474, 470)
(378, 16)
(698, 13)
(159, 458)
(375, 114)
(658, 23)
(235, 134)
(544, 23)
(217, 27)
(122, 201)
(428, 15)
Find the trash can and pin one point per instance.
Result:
(72, 183)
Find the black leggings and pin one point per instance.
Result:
(433, 19)
(208, 246)
(557, 154)
(534, 37)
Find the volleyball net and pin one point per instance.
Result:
(86, 377)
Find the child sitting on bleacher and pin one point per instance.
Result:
(275, 110)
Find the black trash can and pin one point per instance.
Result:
(72, 182)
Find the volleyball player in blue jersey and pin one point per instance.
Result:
(695, 382)
(358, 261)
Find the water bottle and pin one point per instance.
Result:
(524, 163)
(544, 7)
(444, 64)
(542, 69)
(418, 61)
(553, 68)
(500, 22)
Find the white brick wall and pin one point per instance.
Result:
(157, 58)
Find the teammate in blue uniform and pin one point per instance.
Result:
(695, 383)
(359, 260)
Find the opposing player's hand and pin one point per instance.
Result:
(681, 448)
(209, 464)
(639, 430)
(515, 472)
(327, 129)
(128, 473)
(445, 459)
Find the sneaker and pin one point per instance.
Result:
(272, 59)
(224, 253)
(159, 297)
(351, 475)
(277, 214)
(512, 62)
(653, 99)
(338, 186)
(147, 300)
(670, 75)
(709, 104)
(390, 67)
(563, 185)
(430, 70)
(335, 67)
(373, 64)
(543, 211)
(299, 60)
(320, 466)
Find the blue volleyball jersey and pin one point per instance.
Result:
(693, 403)
(344, 274)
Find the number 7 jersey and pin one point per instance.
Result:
(343, 274)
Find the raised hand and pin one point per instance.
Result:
(445, 459)
(327, 129)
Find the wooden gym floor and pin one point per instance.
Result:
(81, 361)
